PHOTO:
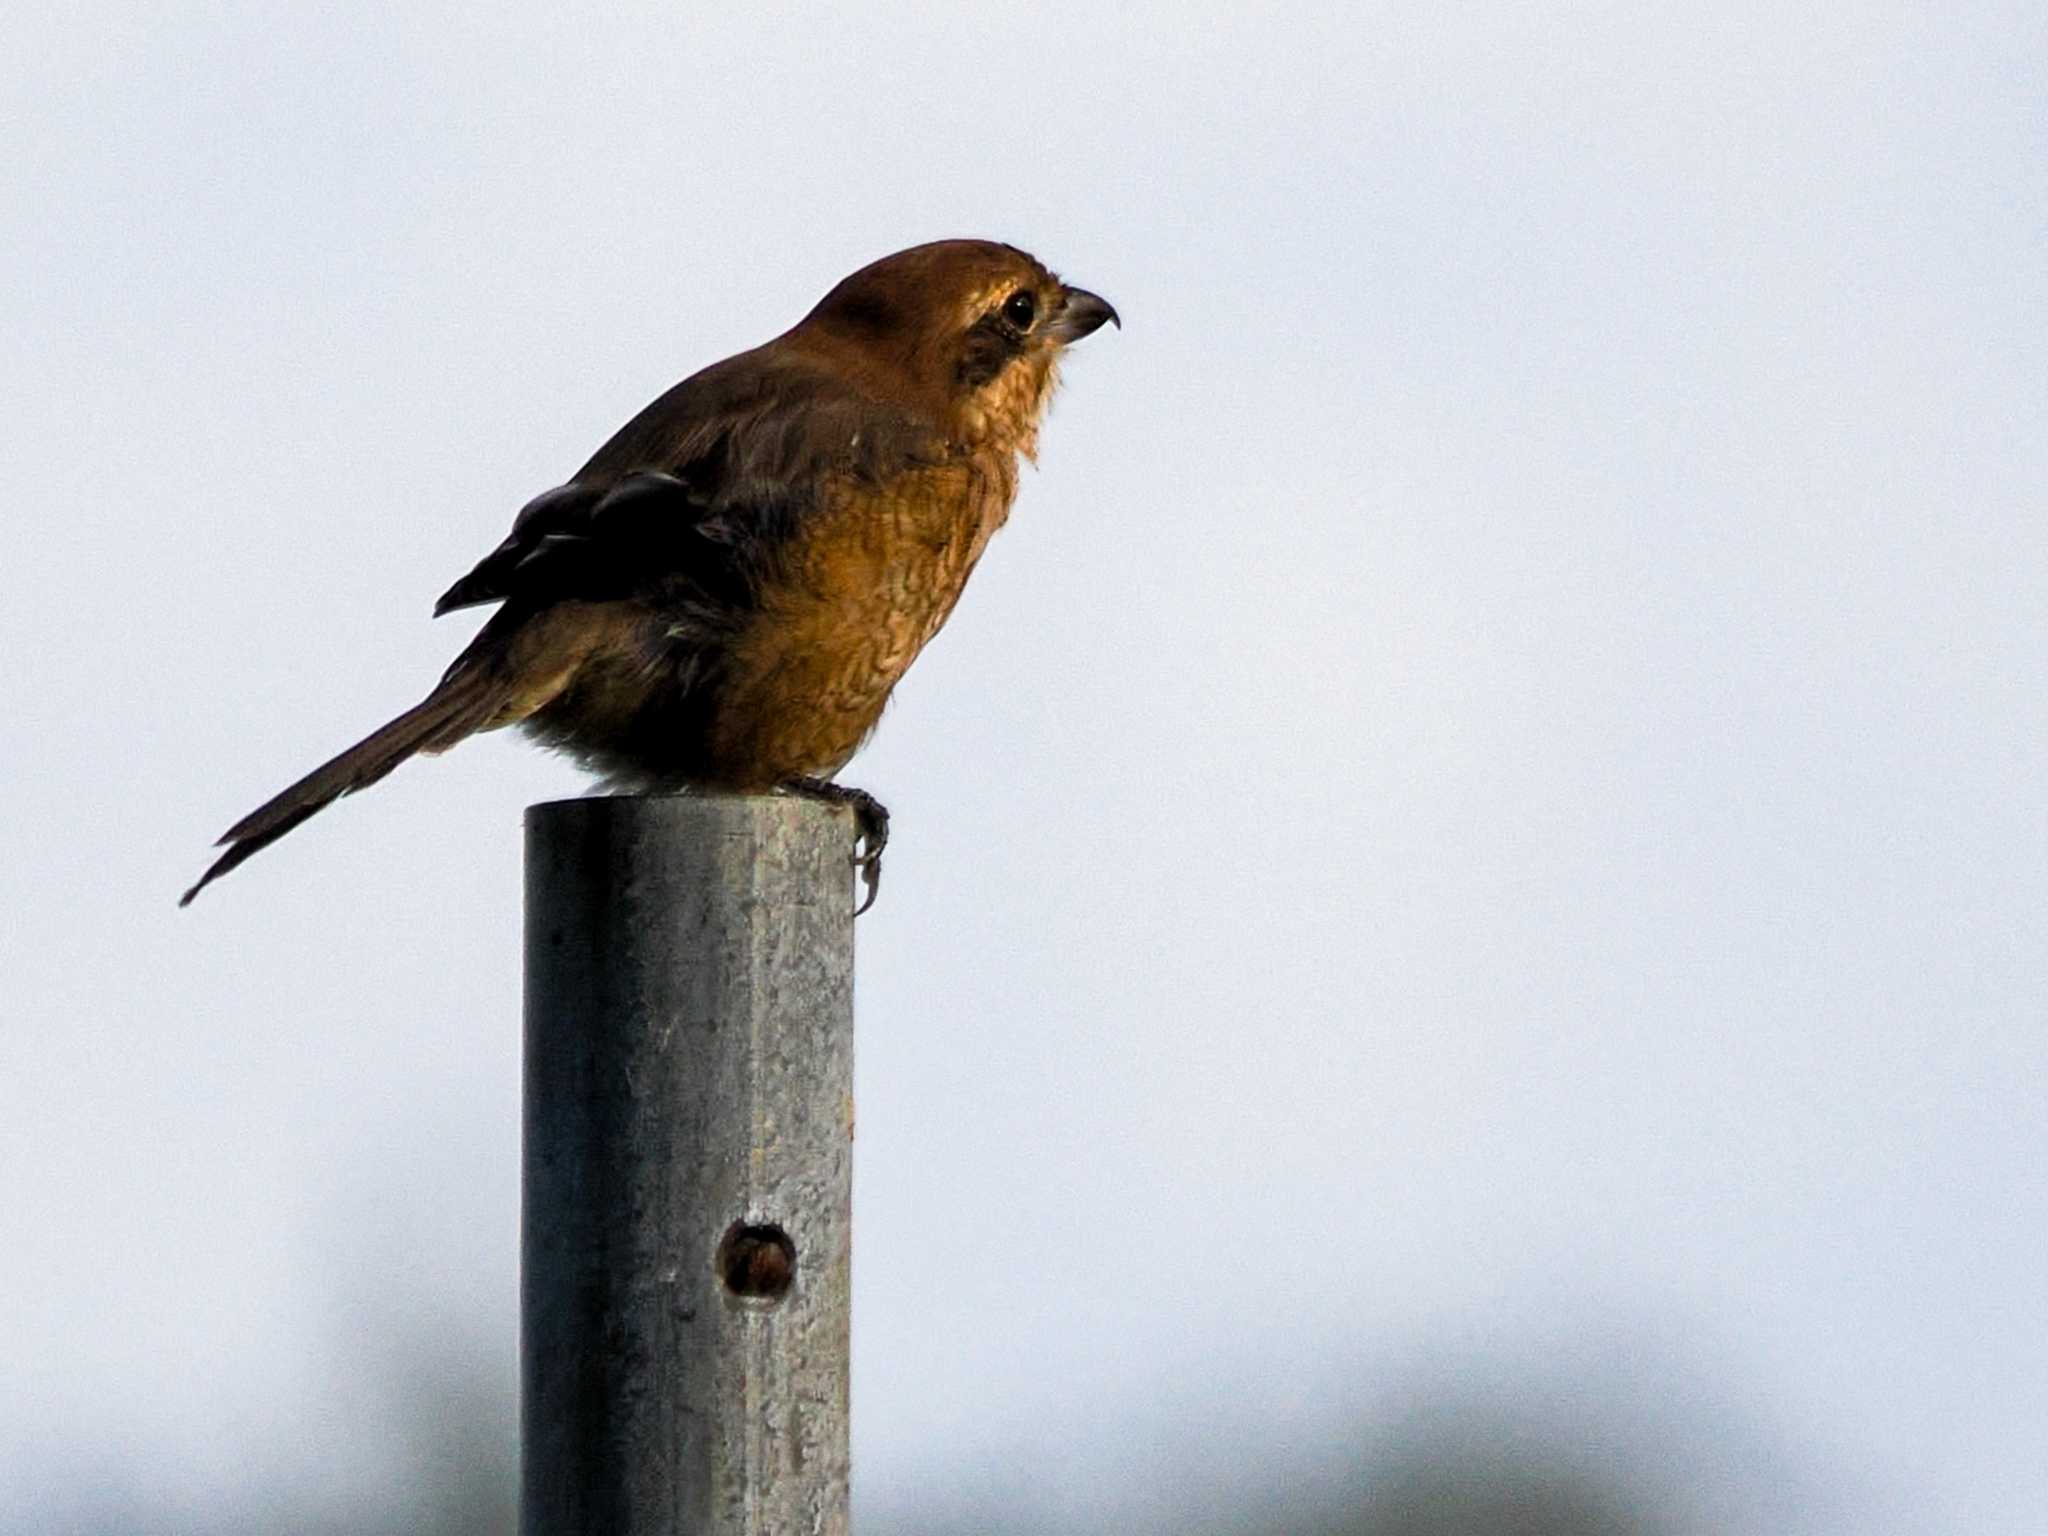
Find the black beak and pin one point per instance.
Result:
(1082, 314)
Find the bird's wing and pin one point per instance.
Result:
(586, 539)
(698, 488)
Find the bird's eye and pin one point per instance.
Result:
(1020, 309)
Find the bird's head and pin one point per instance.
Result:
(972, 329)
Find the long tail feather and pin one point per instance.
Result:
(462, 704)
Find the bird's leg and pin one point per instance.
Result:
(870, 823)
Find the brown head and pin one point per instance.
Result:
(968, 329)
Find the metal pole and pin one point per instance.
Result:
(687, 1208)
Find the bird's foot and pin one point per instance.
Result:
(870, 824)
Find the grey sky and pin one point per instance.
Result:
(1483, 822)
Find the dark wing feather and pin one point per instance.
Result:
(555, 514)
(584, 540)
(700, 487)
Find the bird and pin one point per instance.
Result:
(723, 598)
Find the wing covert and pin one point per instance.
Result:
(698, 486)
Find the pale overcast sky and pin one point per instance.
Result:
(1475, 854)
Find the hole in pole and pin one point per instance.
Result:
(757, 1261)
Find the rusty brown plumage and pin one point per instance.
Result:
(726, 594)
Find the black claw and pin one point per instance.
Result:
(870, 826)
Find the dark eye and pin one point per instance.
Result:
(1020, 309)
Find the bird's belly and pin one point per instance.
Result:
(809, 676)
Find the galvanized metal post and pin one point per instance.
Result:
(687, 1207)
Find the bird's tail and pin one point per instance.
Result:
(465, 702)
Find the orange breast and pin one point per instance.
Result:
(872, 580)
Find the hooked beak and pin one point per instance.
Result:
(1082, 314)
